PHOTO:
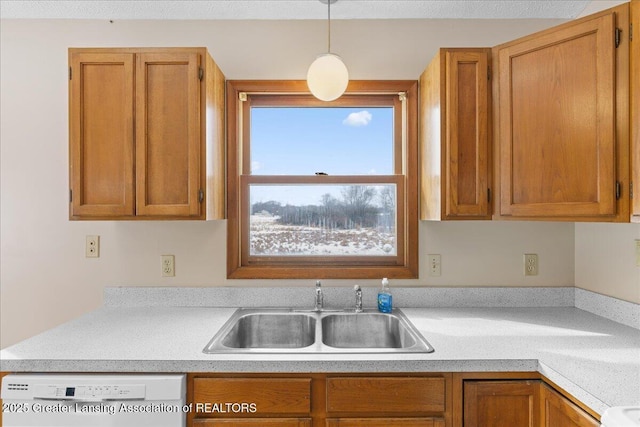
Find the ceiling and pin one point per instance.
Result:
(292, 9)
(278, 39)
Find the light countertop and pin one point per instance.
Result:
(594, 359)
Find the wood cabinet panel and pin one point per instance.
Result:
(168, 134)
(385, 422)
(255, 422)
(146, 134)
(635, 109)
(501, 403)
(557, 411)
(380, 395)
(557, 122)
(101, 138)
(454, 135)
(271, 396)
(467, 110)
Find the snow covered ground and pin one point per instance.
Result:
(270, 238)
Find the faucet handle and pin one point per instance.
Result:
(358, 298)
(318, 284)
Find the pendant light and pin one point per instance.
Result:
(328, 77)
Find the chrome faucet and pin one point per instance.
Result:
(319, 296)
(358, 298)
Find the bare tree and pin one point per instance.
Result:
(357, 202)
(387, 198)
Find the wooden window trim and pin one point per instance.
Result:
(405, 165)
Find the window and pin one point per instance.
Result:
(322, 189)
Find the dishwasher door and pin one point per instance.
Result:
(94, 400)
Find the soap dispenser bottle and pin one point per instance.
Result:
(385, 303)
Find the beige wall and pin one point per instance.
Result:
(45, 278)
(606, 260)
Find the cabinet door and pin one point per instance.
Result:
(385, 422)
(454, 135)
(168, 136)
(268, 396)
(255, 422)
(386, 395)
(635, 109)
(501, 403)
(557, 134)
(466, 135)
(560, 412)
(101, 149)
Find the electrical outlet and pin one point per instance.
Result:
(637, 252)
(530, 264)
(92, 247)
(434, 265)
(168, 266)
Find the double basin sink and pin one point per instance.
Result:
(331, 331)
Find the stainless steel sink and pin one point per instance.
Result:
(366, 330)
(272, 330)
(264, 329)
(331, 331)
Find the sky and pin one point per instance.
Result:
(306, 140)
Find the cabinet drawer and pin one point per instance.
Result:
(385, 422)
(254, 422)
(264, 396)
(385, 395)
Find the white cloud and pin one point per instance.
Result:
(361, 118)
(255, 166)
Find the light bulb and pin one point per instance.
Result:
(327, 77)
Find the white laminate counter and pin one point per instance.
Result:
(594, 359)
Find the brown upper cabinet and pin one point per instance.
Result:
(556, 106)
(635, 109)
(146, 134)
(561, 105)
(454, 135)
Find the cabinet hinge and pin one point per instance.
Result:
(488, 195)
(631, 32)
(488, 73)
(70, 195)
(631, 190)
(70, 73)
(618, 190)
(618, 36)
(200, 74)
(200, 196)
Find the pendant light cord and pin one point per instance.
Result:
(329, 26)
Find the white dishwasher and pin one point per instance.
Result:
(96, 400)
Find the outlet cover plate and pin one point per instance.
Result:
(92, 247)
(530, 264)
(168, 266)
(434, 265)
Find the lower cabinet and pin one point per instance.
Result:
(246, 401)
(381, 400)
(519, 403)
(501, 403)
(386, 401)
(559, 411)
(255, 422)
(320, 400)
(385, 422)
